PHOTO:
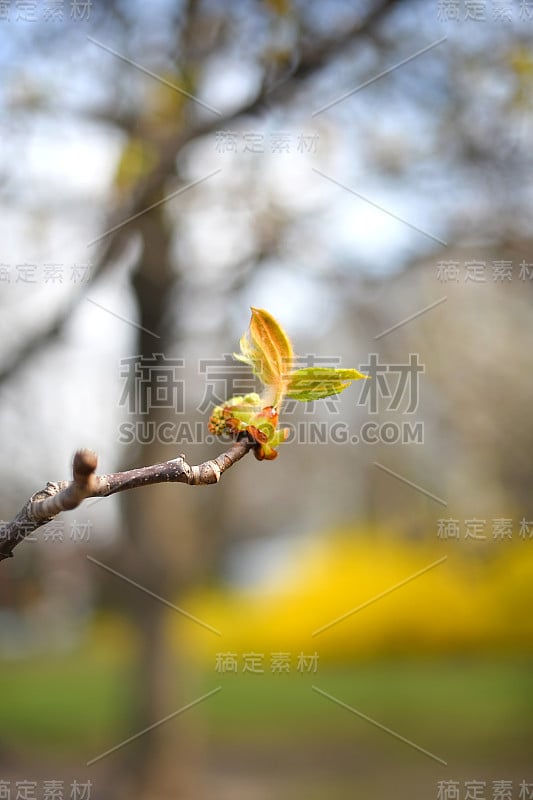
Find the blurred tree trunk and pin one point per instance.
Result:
(158, 764)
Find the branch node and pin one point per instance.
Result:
(85, 463)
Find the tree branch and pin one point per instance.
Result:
(47, 503)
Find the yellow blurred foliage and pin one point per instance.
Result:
(281, 7)
(138, 158)
(477, 600)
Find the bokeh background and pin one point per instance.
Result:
(354, 618)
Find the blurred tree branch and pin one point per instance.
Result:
(59, 496)
(149, 188)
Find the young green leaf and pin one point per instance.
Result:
(314, 383)
(268, 350)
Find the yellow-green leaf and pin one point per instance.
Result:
(314, 383)
(268, 350)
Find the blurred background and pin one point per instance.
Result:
(354, 618)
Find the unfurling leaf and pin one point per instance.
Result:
(267, 349)
(314, 383)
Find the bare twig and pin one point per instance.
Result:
(45, 504)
